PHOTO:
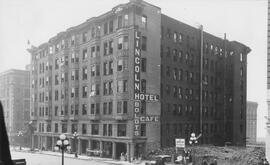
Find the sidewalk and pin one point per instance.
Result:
(81, 157)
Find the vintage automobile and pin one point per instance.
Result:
(160, 160)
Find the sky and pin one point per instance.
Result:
(242, 20)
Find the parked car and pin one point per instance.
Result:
(160, 160)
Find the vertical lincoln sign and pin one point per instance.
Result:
(137, 62)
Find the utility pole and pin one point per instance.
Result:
(224, 89)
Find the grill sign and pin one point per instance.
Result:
(137, 62)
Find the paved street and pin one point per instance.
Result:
(41, 159)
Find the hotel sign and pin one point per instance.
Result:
(137, 89)
(138, 97)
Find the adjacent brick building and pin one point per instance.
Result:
(128, 81)
(252, 122)
(15, 97)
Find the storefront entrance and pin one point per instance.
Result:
(84, 145)
(139, 150)
(49, 143)
(121, 148)
(107, 149)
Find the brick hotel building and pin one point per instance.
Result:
(134, 79)
(15, 98)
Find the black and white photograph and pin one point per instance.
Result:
(123, 82)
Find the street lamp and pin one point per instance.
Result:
(62, 144)
(19, 135)
(75, 137)
(192, 141)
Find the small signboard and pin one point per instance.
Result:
(180, 143)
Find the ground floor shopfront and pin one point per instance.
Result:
(116, 148)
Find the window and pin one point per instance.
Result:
(125, 20)
(84, 128)
(121, 86)
(92, 110)
(143, 107)
(74, 128)
(125, 43)
(105, 68)
(110, 108)
(109, 129)
(175, 91)
(168, 71)
(168, 52)
(110, 67)
(97, 108)
(180, 74)
(122, 64)
(105, 108)
(56, 81)
(144, 21)
(111, 26)
(180, 55)
(105, 45)
(180, 38)
(121, 129)
(95, 70)
(84, 73)
(174, 55)
(143, 86)
(168, 34)
(56, 95)
(84, 54)
(95, 129)
(84, 109)
(93, 51)
(241, 57)
(168, 89)
(93, 32)
(107, 88)
(73, 75)
(125, 107)
(56, 127)
(120, 21)
(64, 128)
(122, 43)
(105, 130)
(174, 37)
(84, 37)
(119, 107)
(143, 129)
(175, 74)
(110, 47)
(72, 40)
(76, 92)
(56, 111)
(143, 64)
(95, 89)
(144, 43)
(180, 109)
(105, 28)
(180, 93)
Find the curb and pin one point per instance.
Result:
(108, 161)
